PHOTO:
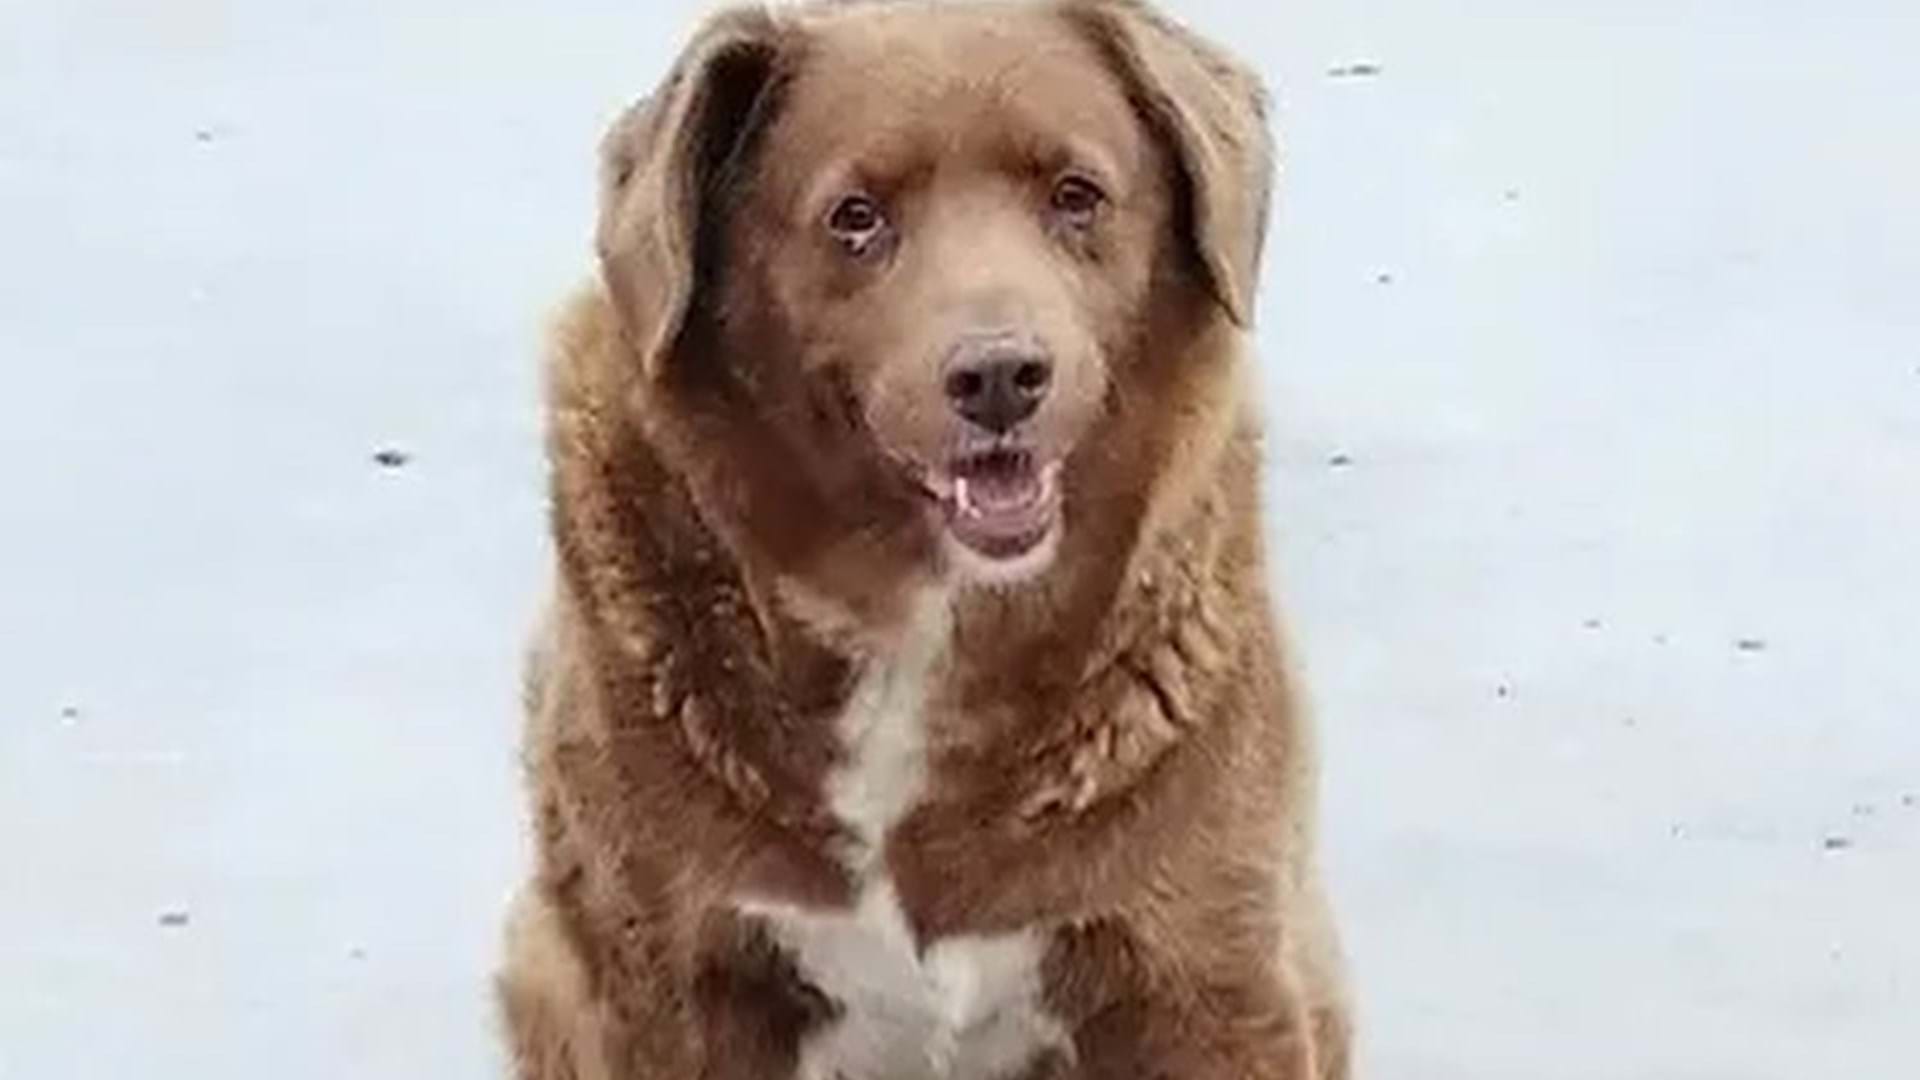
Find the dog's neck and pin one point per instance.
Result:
(672, 597)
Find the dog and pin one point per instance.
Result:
(911, 703)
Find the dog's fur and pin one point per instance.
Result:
(817, 793)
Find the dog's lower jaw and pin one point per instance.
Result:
(967, 567)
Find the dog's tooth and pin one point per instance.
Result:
(963, 497)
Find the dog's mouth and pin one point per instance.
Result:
(1001, 503)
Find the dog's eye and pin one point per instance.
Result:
(855, 221)
(1078, 200)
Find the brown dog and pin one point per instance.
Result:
(911, 705)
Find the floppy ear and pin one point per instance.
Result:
(1212, 111)
(661, 169)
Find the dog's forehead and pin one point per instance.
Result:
(943, 79)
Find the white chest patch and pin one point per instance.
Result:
(967, 1008)
(883, 731)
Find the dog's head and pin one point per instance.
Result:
(914, 249)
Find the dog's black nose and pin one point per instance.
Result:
(998, 384)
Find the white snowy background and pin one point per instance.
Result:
(1593, 332)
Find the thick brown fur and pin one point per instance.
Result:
(1114, 753)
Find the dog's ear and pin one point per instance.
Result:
(1212, 112)
(662, 167)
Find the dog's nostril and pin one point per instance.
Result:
(1032, 376)
(966, 384)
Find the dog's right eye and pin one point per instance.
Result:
(856, 221)
(1078, 201)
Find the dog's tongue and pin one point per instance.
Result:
(994, 494)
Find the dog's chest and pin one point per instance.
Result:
(964, 1008)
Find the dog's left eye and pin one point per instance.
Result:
(857, 221)
(1077, 200)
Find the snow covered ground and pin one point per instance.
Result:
(1593, 329)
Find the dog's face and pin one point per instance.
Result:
(926, 244)
(952, 223)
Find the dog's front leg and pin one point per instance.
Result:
(1135, 1016)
